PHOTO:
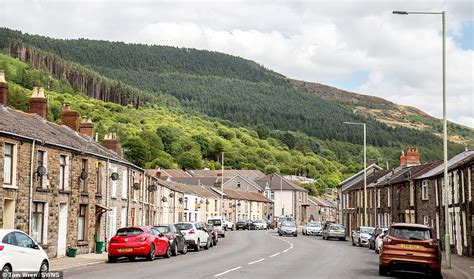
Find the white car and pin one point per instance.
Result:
(228, 224)
(260, 225)
(379, 239)
(219, 225)
(361, 235)
(18, 252)
(195, 234)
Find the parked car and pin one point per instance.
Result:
(141, 241)
(282, 219)
(19, 252)
(214, 234)
(373, 237)
(195, 234)
(218, 223)
(379, 239)
(332, 230)
(312, 228)
(288, 228)
(228, 225)
(176, 238)
(361, 235)
(260, 225)
(410, 248)
(245, 225)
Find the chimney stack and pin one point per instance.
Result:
(412, 157)
(3, 89)
(86, 127)
(70, 117)
(38, 103)
(111, 142)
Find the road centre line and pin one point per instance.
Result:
(257, 261)
(274, 255)
(286, 250)
(227, 271)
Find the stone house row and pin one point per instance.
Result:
(66, 190)
(321, 209)
(413, 193)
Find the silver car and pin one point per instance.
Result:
(334, 231)
(312, 228)
(287, 228)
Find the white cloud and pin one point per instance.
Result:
(310, 40)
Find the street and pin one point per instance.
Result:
(260, 254)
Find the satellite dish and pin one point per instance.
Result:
(207, 201)
(114, 176)
(136, 186)
(152, 188)
(41, 171)
(180, 200)
(164, 199)
(84, 175)
(171, 195)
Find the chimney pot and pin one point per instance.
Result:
(3, 89)
(87, 127)
(38, 103)
(70, 117)
(111, 142)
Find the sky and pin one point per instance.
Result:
(358, 46)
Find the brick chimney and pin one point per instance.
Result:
(412, 157)
(111, 142)
(70, 117)
(37, 103)
(158, 174)
(3, 89)
(86, 127)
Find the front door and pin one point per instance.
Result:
(9, 214)
(62, 230)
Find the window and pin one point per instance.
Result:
(238, 184)
(62, 172)
(272, 195)
(84, 181)
(10, 239)
(40, 162)
(426, 220)
(22, 240)
(436, 191)
(113, 190)
(38, 222)
(185, 205)
(8, 164)
(389, 198)
(378, 198)
(412, 194)
(124, 184)
(98, 178)
(424, 190)
(81, 222)
(215, 204)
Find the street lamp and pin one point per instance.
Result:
(222, 182)
(445, 130)
(365, 168)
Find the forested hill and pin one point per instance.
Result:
(218, 85)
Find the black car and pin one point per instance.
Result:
(177, 241)
(213, 232)
(245, 225)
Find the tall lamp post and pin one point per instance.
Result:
(365, 168)
(222, 182)
(445, 130)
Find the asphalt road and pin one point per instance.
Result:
(250, 254)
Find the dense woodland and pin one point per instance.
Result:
(192, 104)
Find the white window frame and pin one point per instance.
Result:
(389, 196)
(378, 197)
(44, 231)
(44, 178)
(412, 194)
(113, 186)
(124, 180)
(424, 190)
(456, 187)
(437, 225)
(13, 163)
(469, 190)
(426, 220)
(64, 176)
(436, 191)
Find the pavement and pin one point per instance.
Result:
(83, 260)
(259, 254)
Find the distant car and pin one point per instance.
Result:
(410, 248)
(282, 219)
(218, 223)
(214, 234)
(379, 240)
(312, 228)
(245, 225)
(19, 252)
(142, 241)
(228, 225)
(361, 235)
(195, 234)
(332, 230)
(176, 238)
(373, 237)
(260, 224)
(288, 228)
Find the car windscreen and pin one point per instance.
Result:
(129, 231)
(336, 227)
(288, 224)
(367, 230)
(163, 229)
(215, 222)
(184, 226)
(410, 233)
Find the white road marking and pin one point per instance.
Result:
(227, 271)
(257, 261)
(286, 250)
(274, 255)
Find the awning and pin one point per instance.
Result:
(101, 209)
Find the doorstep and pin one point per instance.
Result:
(58, 264)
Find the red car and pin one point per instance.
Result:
(142, 241)
(410, 248)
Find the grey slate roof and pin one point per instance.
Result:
(457, 161)
(277, 182)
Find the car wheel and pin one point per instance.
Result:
(279, 234)
(353, 243)
(208, 244)
(169, 252)
(383, 271)
(295, 235)
(112, 259)
(185, 249)
(342, 238)
(223, 236)
(198, 246)
(151, 254)
(43, 269)
(436, 274)
(6, 271)
(211, 243)
(175, 249)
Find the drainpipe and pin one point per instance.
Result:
(107, 203)
(30, 196)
